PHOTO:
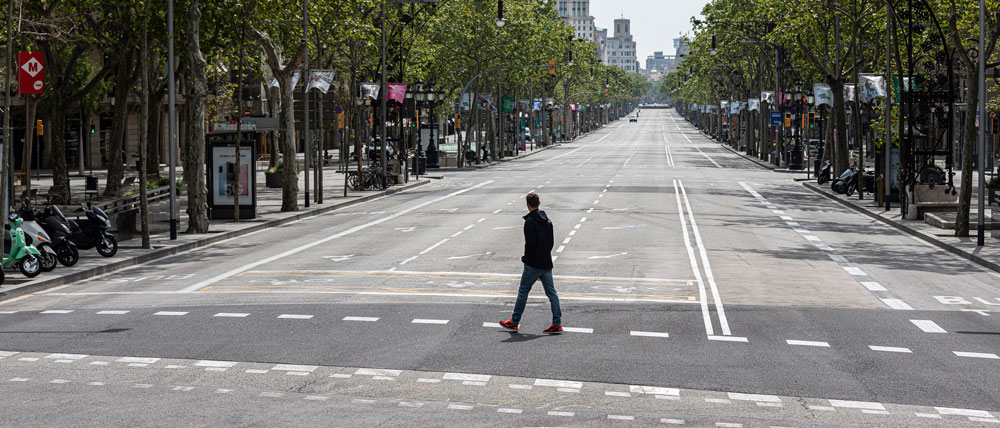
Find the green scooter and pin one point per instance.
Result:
(26, 257)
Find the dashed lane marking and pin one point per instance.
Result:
(897, 304)
(648, 334)
(112, 312)
(928, 326)
(855, 271)
(578, 330)
(890, 349)
(170, 313)
(873, 286)
(57, 311)
(948, 411)
(808, 343)
(559, 383)
(728, 338)
(857, 405)
(428, 321)
(231, 315)
(294, 317)
(985, 355)
(362, 319)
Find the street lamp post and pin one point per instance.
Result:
(171, 120)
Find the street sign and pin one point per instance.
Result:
(31, 72)
(338, 110)
(246, 113)
(775, 118)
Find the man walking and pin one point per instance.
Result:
(537, 261)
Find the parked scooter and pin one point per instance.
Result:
(847, 183)
(824, 173)
(25, 256)
(96, 233)
(55, 244)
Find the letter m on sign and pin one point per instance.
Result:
(31, 72)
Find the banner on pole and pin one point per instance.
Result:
(370, 90)
(508, 104)
(822, 94)
(536, 105)
(295, 80)
(320, 80)
(871, 86)
(767, 97)
(754, 104)
(397, 92)
(849, 92)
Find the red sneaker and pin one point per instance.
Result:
(509, 325)
(553, 329)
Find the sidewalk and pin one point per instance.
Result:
(269, 215)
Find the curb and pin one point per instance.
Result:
(33, 287)
(994, 266)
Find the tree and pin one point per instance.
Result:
(194, 159)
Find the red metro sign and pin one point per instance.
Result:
(31, 72)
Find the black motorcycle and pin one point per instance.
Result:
(94, 233)
(847, 183)
(824, 173)
(61, 247)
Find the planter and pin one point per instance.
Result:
(272, 180)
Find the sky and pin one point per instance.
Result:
(655, 23)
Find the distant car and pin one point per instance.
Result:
(633, 118)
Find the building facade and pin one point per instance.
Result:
(658, 62)
(601, 38)
(576, 13)
(621, 47)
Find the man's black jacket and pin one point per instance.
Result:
(537, 240)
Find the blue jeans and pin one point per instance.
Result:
(528, 278)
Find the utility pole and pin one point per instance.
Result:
(981, 149)
(171, 119)
(8, 67)
(887, 143)
(385, 95)
(305, 93)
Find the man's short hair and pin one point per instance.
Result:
(532, 199)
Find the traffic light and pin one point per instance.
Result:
(812, 120)
(92, 129)
(605, 91)
(552, 67)
(788, 120)
(39, 128)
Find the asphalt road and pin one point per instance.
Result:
(696, 288)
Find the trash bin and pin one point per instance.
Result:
(795, 159)
(420, 165)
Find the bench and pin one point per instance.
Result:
(936, 199)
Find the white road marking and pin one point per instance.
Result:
(897, 304)
(808, 343)
(66, 356)
(654, 390)
(57, 311)
(760, 398)
(112, 312)
(507, 410)
(214, 364)
(432, 247)
(572, 232)
(607, 257)
(470, 256)
(269, 260)
(702, 294)
(555, 413)
(566, 241)
(648, 334)
(294, 368)
(294, 317)
(837, 258)
(672, 421)
(621, 417)
(339, 258)
(851, 270)
(467, 377)
(408, 260)
(890, 349)
(362, 319)
(948, 411)
(578, 330)
(505, 227)
(617, 394)
(459, 407)
(560, 249)
(231, 315)
(989, 356)
(171, 314)
(873, 286)
(706, 156)
(928, 326)
(719, 309)
(481, 220)
(728, 338)
(469, 227)
(428, 321)
(927, 415)
(498, 210)
(378, 372)
(857, 404)
(558, 383)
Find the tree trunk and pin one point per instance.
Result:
(155, 136)
(968, 152)
(119, 124)
(289, 170)
(272, 111)
(194, 157)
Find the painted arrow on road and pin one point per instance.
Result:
(606, 257)
(469, 256)
(339, 258)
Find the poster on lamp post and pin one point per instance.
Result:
(822, 94)
(754, 104)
